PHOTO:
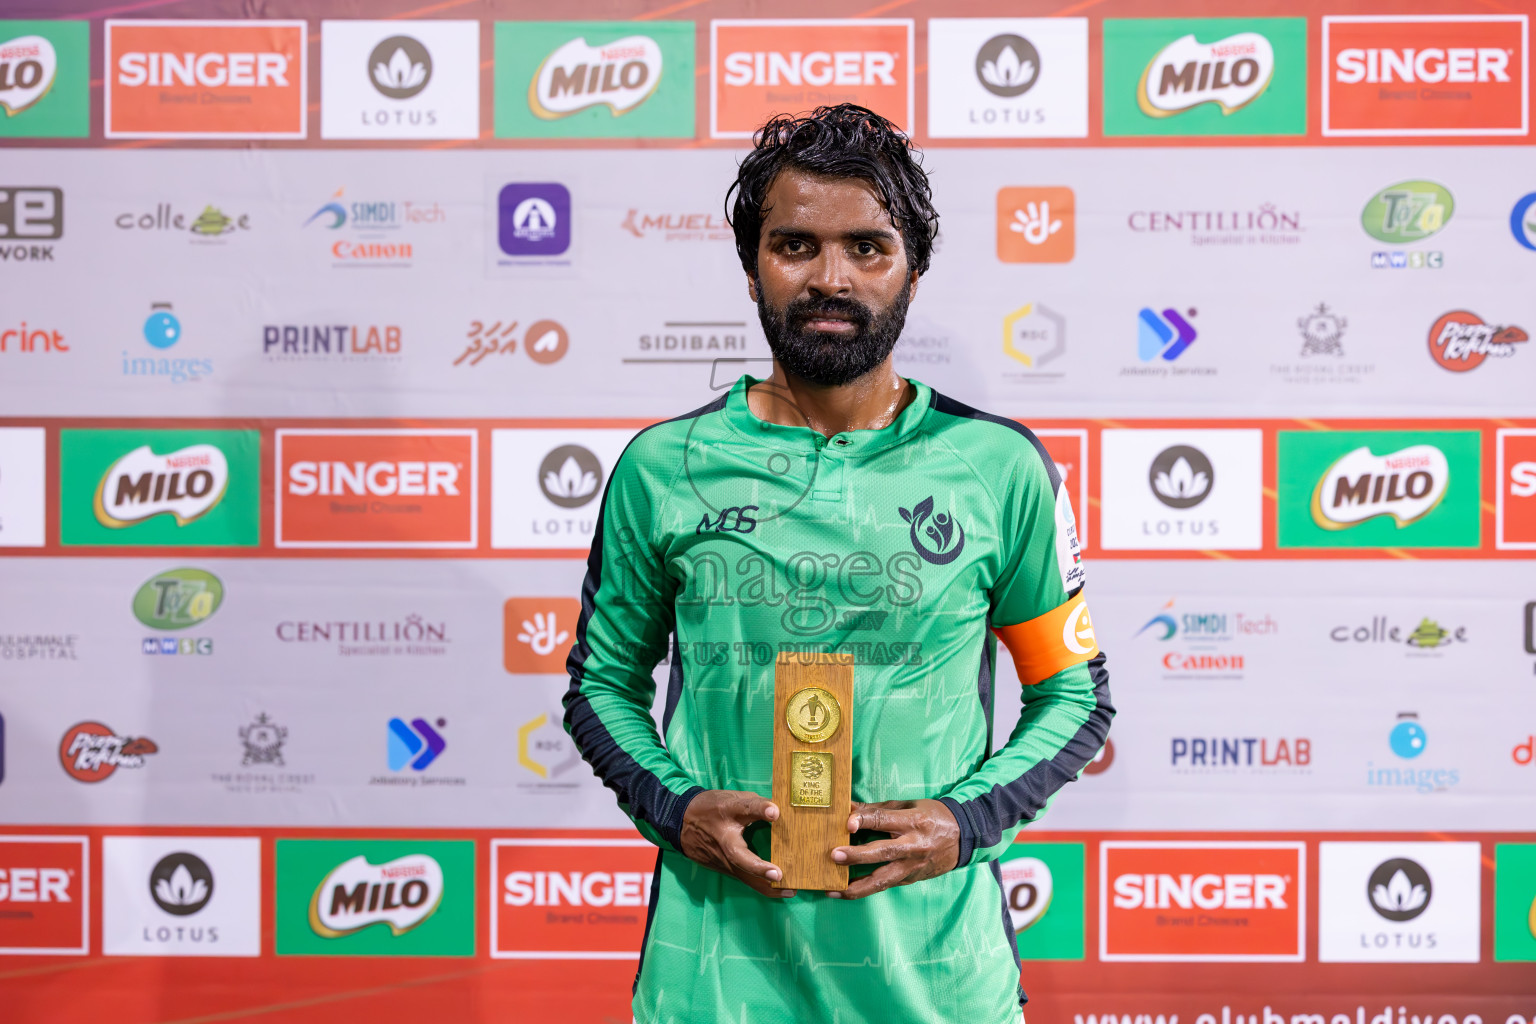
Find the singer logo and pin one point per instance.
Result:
(44, 894)
(1406, 485)
(205, 79)
(570, 898)
(377, 488)
(1425, 75)
(1205, 901)
(763, 68)
(1516, 486)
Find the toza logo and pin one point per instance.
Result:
(400, 67)
(1230, 72)
(185, 484)
(947, 534)
(1409, 211)
(178, 598)
(1405, 484)
(620, 75)
(1399, 889)
(401, 893)
(1459, 341)
(1181, 476)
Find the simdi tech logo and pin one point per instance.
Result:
(770, 66)
(594, 79)
(1379, 488)
(1425, 75)
(340, 488)
(1003, 78)
(1515, 483)
(1219, 902)
(45, 895)
(562, 899)
(44, 79)
(159, 487)
(1205, 76)
(192, 79)
(375, 897)
(400, 79)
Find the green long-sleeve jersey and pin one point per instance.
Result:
(724, 539)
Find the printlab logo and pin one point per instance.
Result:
(1399, 889)
(1007, 65)
(534, 220)
(1181, 476)
(263, 741)
(181, 884)
(349, 343)
(943, 530)
(91, 752)
(416, 745)
(1165, 337)
(1036, 225)
(28, 215)
(1405, 213)
(1460, 341)
(1522, 221)
(399, 67)
(570, 476)
(544, 341)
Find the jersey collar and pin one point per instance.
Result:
(852, 443)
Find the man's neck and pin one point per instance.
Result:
(868, 403)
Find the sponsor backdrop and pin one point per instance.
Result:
(321, 332)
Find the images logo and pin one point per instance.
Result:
(536, 633)
(534, 219)
(162, 329)
(1522, 221)
(90, 752)
(1181, 476)
(1166, 336)
(416, 745)
(44, 80)
(1408, 741)
(1205, 76)
(1409, 211)
(561, 898)
(1515, 480)
(1408, 737)
(45, 894)
(1405, 484)
(205, 79)
(1459, 341)
(761, 68)
(381, 897)
(178, 598)
(1036, 225)
(184, 484)
(29, 214)
(1433, 75)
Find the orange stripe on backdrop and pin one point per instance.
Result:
(1083, 5)
(662, 12)
(883, 8)
(431, 9)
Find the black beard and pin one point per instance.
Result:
(831, 360)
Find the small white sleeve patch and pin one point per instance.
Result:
(1069, 554)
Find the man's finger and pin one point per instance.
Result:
(880, 851)
(762, 888)
(744, 862)
(880, 818)
(883, 879)
(750, 807)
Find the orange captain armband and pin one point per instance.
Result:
(1045, 645)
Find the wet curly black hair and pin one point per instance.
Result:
(845, 141)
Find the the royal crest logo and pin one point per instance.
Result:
(263, 740)
(1406, 485)
(620, 75)
(185, 484)
(1459, 341)
(946, 535)
(90, 751)
(401, 893)
(1230, 72)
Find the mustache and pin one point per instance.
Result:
(801, 311)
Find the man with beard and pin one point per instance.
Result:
(834, 506)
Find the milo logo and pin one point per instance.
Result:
(620, 75)
(401, 893)
(178, 598)
(185, 484)
(1230, 73)
(1405, 484)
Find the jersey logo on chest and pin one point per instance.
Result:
(936, 538)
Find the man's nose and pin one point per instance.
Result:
(830, 273)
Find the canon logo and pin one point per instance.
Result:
(208, 69)
(1431, 64)
(576, 889)
(818, 68)
(34, 885)
(405, 479)
(1207, 892)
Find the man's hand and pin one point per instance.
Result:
(712, 836)
(925, 841)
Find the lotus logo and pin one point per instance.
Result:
(181, 884)
(27, 68)
(1406, 485)
(400, 67)
(1231, 73)
(1399, 889)
(1181, 476)
(1409, 211)
(401, 893)
(1007, 65)
(570, 476)
(619, 75)
(185, 484)
(946, 535)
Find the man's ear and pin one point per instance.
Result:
(911, 285)
(752, 287)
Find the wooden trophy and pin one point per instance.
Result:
(812, 767)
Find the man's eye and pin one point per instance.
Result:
(794, 245)
(866, 248)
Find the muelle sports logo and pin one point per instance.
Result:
(619, 75)
(184, 484)
(356, 894)
(1230, 73)
(1460, 341)
(91, 752)
(1405, 484)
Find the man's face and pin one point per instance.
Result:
(832, 283)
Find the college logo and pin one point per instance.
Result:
(595, 79)
(1202, 901)
(768, 67)
(945, 536)
(1428, 635)
(1163, 337)
(377, 488)
(1007, 77)
(1161, 489)
(536, 633)
(117, 488)
(1515, 480)
(1399, 902)
(1382, 488)
(400, 79)
(29, 214)
(45, 895)
(1205, 76)
(1459, 341)
(380, 897)
(416, 745)
(1522, 221)
(1036, 225)
(569, 899)
(1514, 902)
(178, 598)
(181, 896)
(534, 219)
(1043, 891)
(1401, 75)
(23, 490)
(208, 227)
(205, 79)
(44, 79)
(91, 752)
